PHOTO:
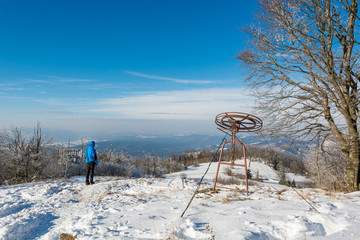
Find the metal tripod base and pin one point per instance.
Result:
(233, 141)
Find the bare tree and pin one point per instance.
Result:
(304, 61)
(12, 145)
(23, 158)
(39, 152)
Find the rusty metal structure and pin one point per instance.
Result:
(235, 122)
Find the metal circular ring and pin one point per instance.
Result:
(239, 122)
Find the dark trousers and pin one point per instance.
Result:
(90, 167)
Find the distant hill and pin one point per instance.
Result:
(160, 145)
(165, 145)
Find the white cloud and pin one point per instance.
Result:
(171, 79)
(12, 89)
(185, 105)
(58, 79)
(39, 81)
(70, 80)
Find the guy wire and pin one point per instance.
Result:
(198, 186)
(312, 206)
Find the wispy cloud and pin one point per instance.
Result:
(8, 89)
(70, 80)
(11, 87)
(185, 81)
(7, 85)
(39, 81)
(102, 86)
(49, 112)
(191, 104)
(49, 79)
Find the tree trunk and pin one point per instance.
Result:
(352, 166)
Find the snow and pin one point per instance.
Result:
(149, 208)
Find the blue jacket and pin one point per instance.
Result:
(90, 153)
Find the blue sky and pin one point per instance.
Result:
(160, 66)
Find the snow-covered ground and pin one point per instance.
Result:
(147, 208)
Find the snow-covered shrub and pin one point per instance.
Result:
(24, 158)
(73, 170)
(111, 169)
(229, 180)
(120, 164)
(171, 165)
(329, 171)
(134, 172)
(193, 158)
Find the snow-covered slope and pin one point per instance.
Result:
(146, 208)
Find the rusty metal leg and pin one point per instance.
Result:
(233, 164)
(233, 148)
(218, 168)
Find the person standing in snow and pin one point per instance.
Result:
(90, 160)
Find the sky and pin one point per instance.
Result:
(160, 66)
